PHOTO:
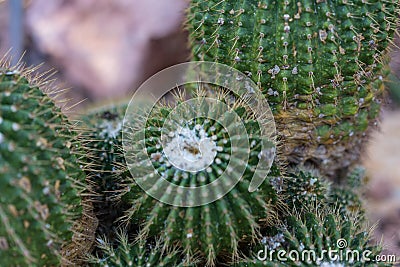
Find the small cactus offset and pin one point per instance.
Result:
(139, 254)
(318, 237)
(304, 188)
(39, 175)
(348, 197)
(319, 63)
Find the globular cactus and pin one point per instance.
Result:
(347, 197)
(139, 254)
(214, 228)
(297, 189)
(40, 178)
(318, 237)
(321, 65)
(304, 188)
(101, 139)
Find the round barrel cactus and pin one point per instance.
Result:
(195, 153)
(321, 65)
(39, 175)
(304, 189)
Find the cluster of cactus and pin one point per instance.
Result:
(320, 64)
(295, 194)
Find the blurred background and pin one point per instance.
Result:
(103, 50)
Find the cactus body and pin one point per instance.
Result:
(39, 197)
(304, 189)
(215, 228)
(105, 163)
(200, 228)
(210, 229)
(348, 197)
(319, 63)
(318, 231)
(140, 254)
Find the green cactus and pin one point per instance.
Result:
(304, 188)
(299, 189)
(316, 231)
(348, 197)
(40, 177)
(319, 63)
(215, 228)
(141, 254)
(101, 139)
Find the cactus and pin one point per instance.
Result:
(39, 175)
(319, 63)
(141, 254)
(348, 197)
(101, 139)
(214, 228)
(300, 189)
(304, 188)
(317, 230)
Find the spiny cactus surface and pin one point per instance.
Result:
(141, 254)
(319, 63)
(39, 175)
(101, 139)
(304, 188)
(304, 238)
(347, 197)
(299, 189)
(217, 227)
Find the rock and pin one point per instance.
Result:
(383, 196)
(109, 47)
(4, 35)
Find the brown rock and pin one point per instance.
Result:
(383, 196)
(109, 47)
